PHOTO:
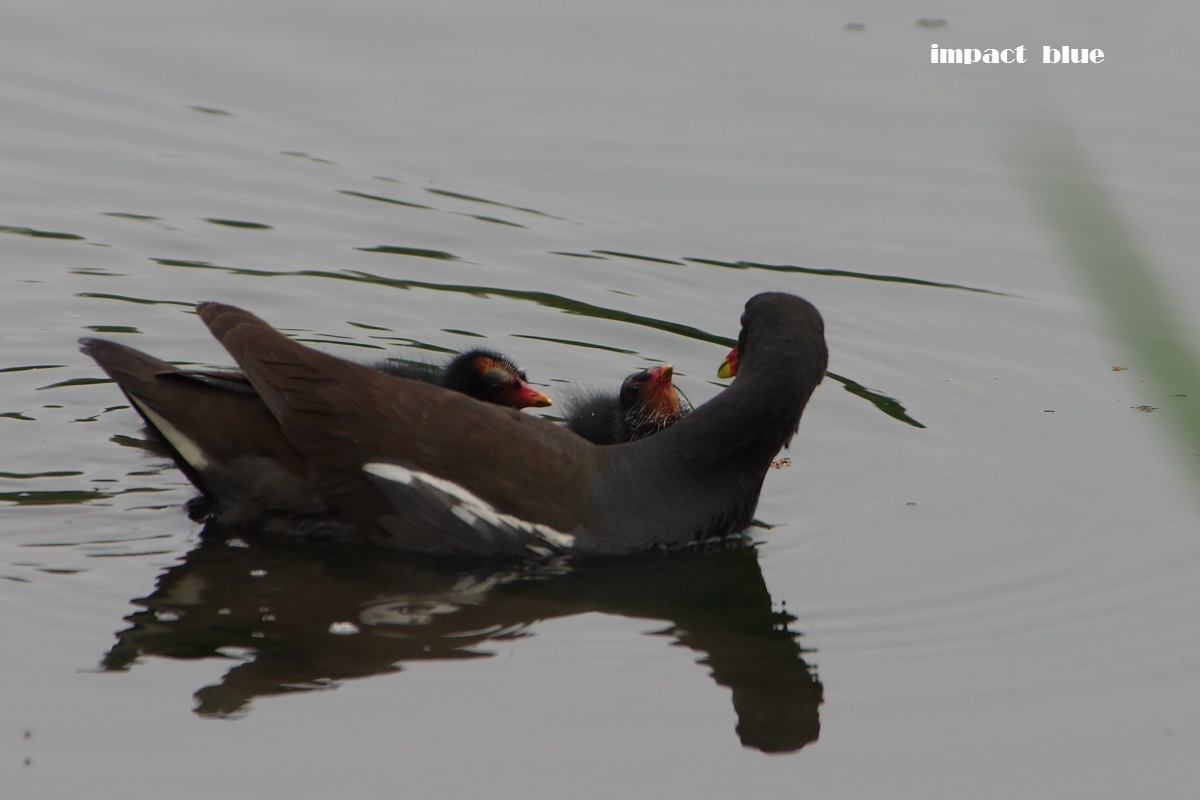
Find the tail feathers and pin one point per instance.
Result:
(146, 381)
(214, 426)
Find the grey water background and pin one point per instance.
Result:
(981, 571)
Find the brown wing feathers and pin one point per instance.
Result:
(324, 404)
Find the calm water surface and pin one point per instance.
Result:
(980, 573)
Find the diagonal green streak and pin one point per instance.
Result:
(1062, 186)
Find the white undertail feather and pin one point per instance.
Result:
(188, 450)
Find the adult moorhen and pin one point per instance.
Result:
(372, 458)
(646, 403)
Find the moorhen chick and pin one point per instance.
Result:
(646, 403)
(377, 459)
(483, 374)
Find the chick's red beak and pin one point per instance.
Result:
(522, 395)
(658, 391)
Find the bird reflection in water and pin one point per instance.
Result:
(280, 610)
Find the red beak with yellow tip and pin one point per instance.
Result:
(522, 395)
(729, 366)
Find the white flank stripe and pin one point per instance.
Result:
(470, 508)
(390, 472)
